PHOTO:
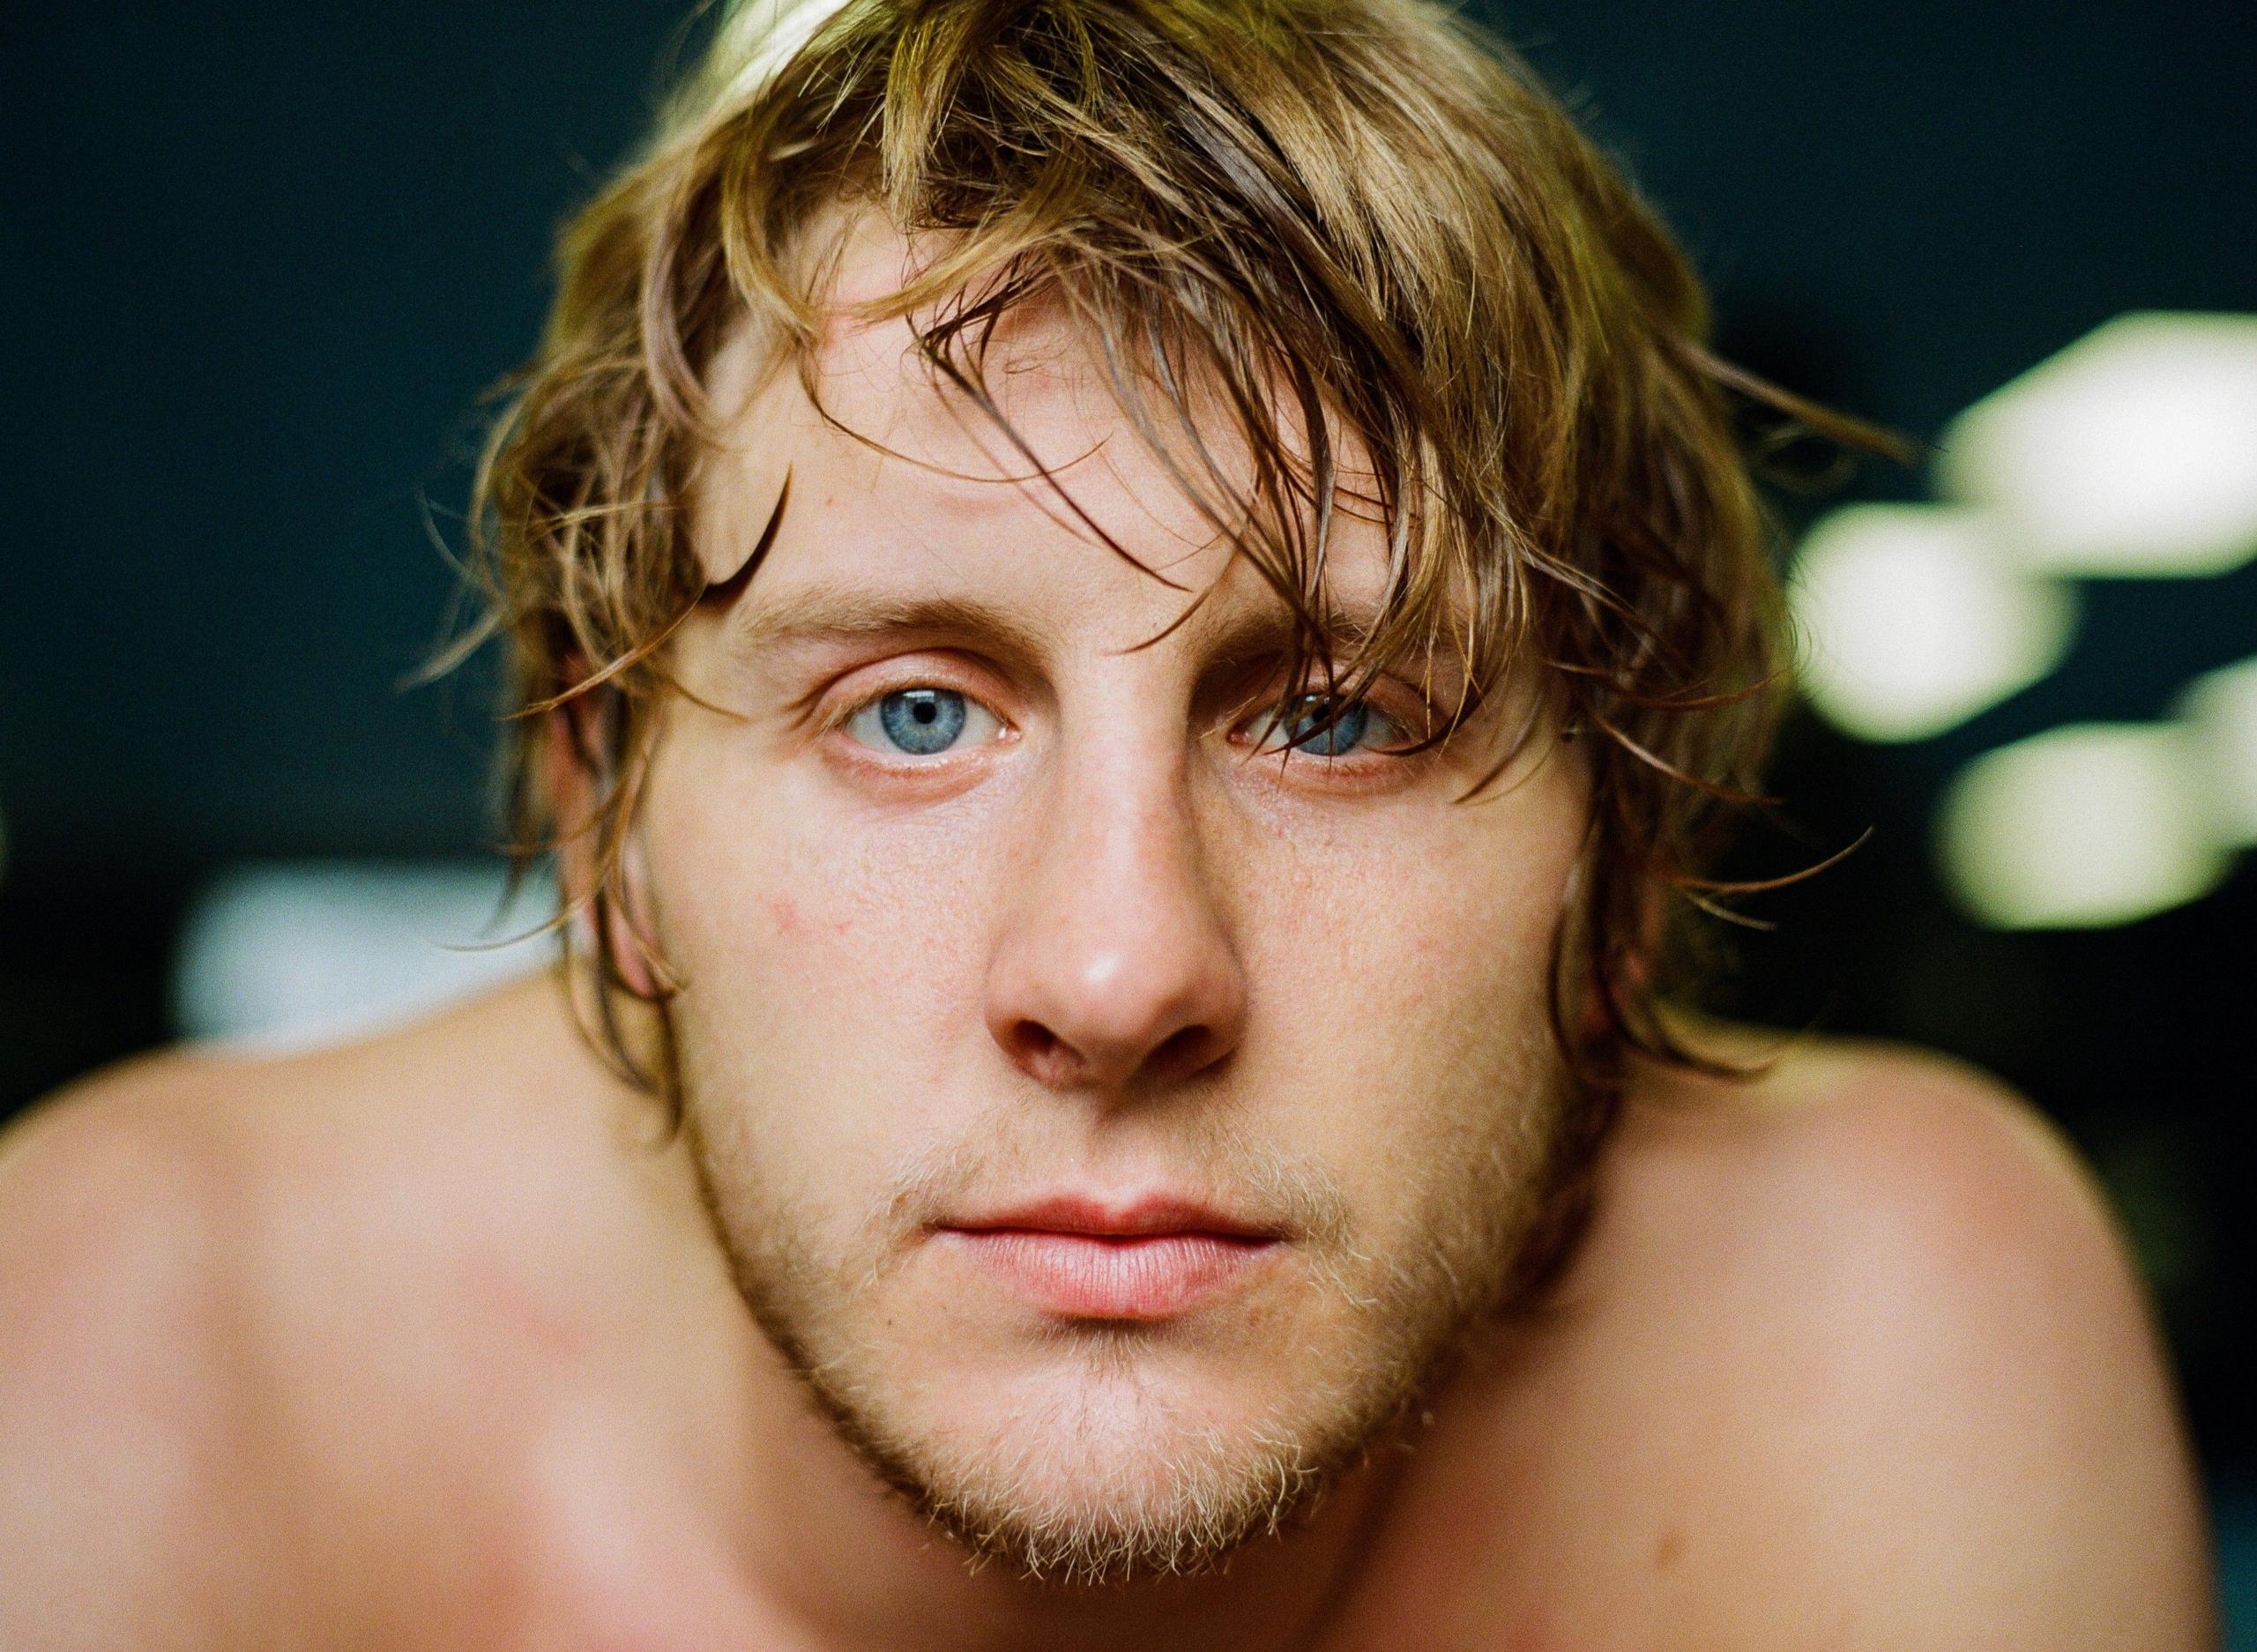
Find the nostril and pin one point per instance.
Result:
(1183, 1052)
(1053, 1061)
(1034, 1044)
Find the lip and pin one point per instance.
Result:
(1095, 1217)
(1147, 1259)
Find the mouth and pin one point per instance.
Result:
(1086, 1259)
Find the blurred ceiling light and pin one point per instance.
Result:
(1913, 620)
(2081, 827)
(2220, 712)
(294, 955)
(2133, 452)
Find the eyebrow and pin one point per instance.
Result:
(838, 614)
(1269, 629)
(846, 614)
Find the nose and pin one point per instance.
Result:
(1115, 966)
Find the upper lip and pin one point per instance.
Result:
(1106, 1218)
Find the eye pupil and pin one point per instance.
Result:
(1327, 728)
(922, 721)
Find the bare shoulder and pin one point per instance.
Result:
(217, 1274)
(1893, 1194)
(1932, 1172)
(120, 1387)
(162, 1177)
(1923, 1391)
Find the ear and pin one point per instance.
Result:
(577, 779)
(1640, 962)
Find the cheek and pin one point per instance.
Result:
(1405, 973)
(825, 968)
(1421, 927)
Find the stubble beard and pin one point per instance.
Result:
(1406, 1315)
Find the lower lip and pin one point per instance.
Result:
(1097, 1276)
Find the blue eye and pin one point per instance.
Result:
(1317, 724)
(921, 722)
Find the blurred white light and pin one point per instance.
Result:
(2081, 827)
(2220, 713)
(291, 956)
(2132, 452)
(1913, 620)
(761, 36)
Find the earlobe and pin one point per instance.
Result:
(600, 867)
(627, 941)
(568, 757)
(1597, 991)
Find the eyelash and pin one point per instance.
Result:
(835, 719)
(1371, 762)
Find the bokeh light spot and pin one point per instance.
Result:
(2220, 712)
(2132, 453)
(1912, 622)
(2084, 826)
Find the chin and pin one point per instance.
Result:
(1104, 1455)
(1095, 1450)
(1101, 1465)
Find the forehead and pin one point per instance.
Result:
(898, 477)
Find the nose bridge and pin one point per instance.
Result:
(1126, 840)
(1117, 960)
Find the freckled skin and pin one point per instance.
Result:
(436, 1341)
(1353, 963)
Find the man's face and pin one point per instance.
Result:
(1113, 1121)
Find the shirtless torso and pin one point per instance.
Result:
(420, 1342)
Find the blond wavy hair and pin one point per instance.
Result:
(1365, 215)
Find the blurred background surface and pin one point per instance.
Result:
(261, 261)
